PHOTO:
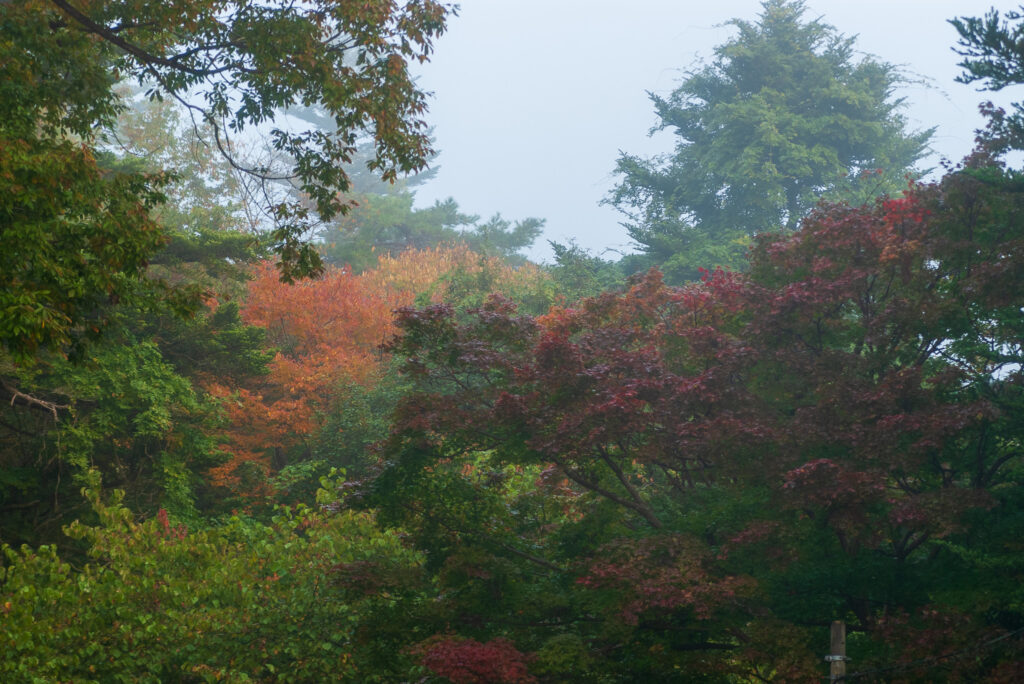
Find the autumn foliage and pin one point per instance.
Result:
(429, 465)
(467, 661)
(328, 334)
(848, 411)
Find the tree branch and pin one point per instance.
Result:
(48, 406)
(143, 56)
(579, 479)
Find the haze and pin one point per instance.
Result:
(534, 99)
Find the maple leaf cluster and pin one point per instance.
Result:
(848, 410)
(467, 661)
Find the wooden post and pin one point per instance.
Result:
(837, 655)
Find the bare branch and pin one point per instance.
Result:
(34, 402)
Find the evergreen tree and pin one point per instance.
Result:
(993, 52)
(783, 116)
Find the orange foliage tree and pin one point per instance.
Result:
(327, 333)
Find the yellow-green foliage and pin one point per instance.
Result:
(156, 602)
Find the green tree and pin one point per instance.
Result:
(783, 116)
(362, 179)
(382, 218)
(130, 402)
(578, 273)
(75, 232)
(390, 224)
(155, 601)
(993, 53)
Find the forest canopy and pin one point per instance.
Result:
(270, 419)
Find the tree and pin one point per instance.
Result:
(383, 220)
(130, 398)
(992, 52)
(782, 116)
(390, 224)
(991, 49)
(76, 239)
(76, 234)
(579, 274)
(329, 389)
(731, 464)
(241, 601)
(107, 260)
(362, 179)
(123, 410)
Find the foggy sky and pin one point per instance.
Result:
(534, 99)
